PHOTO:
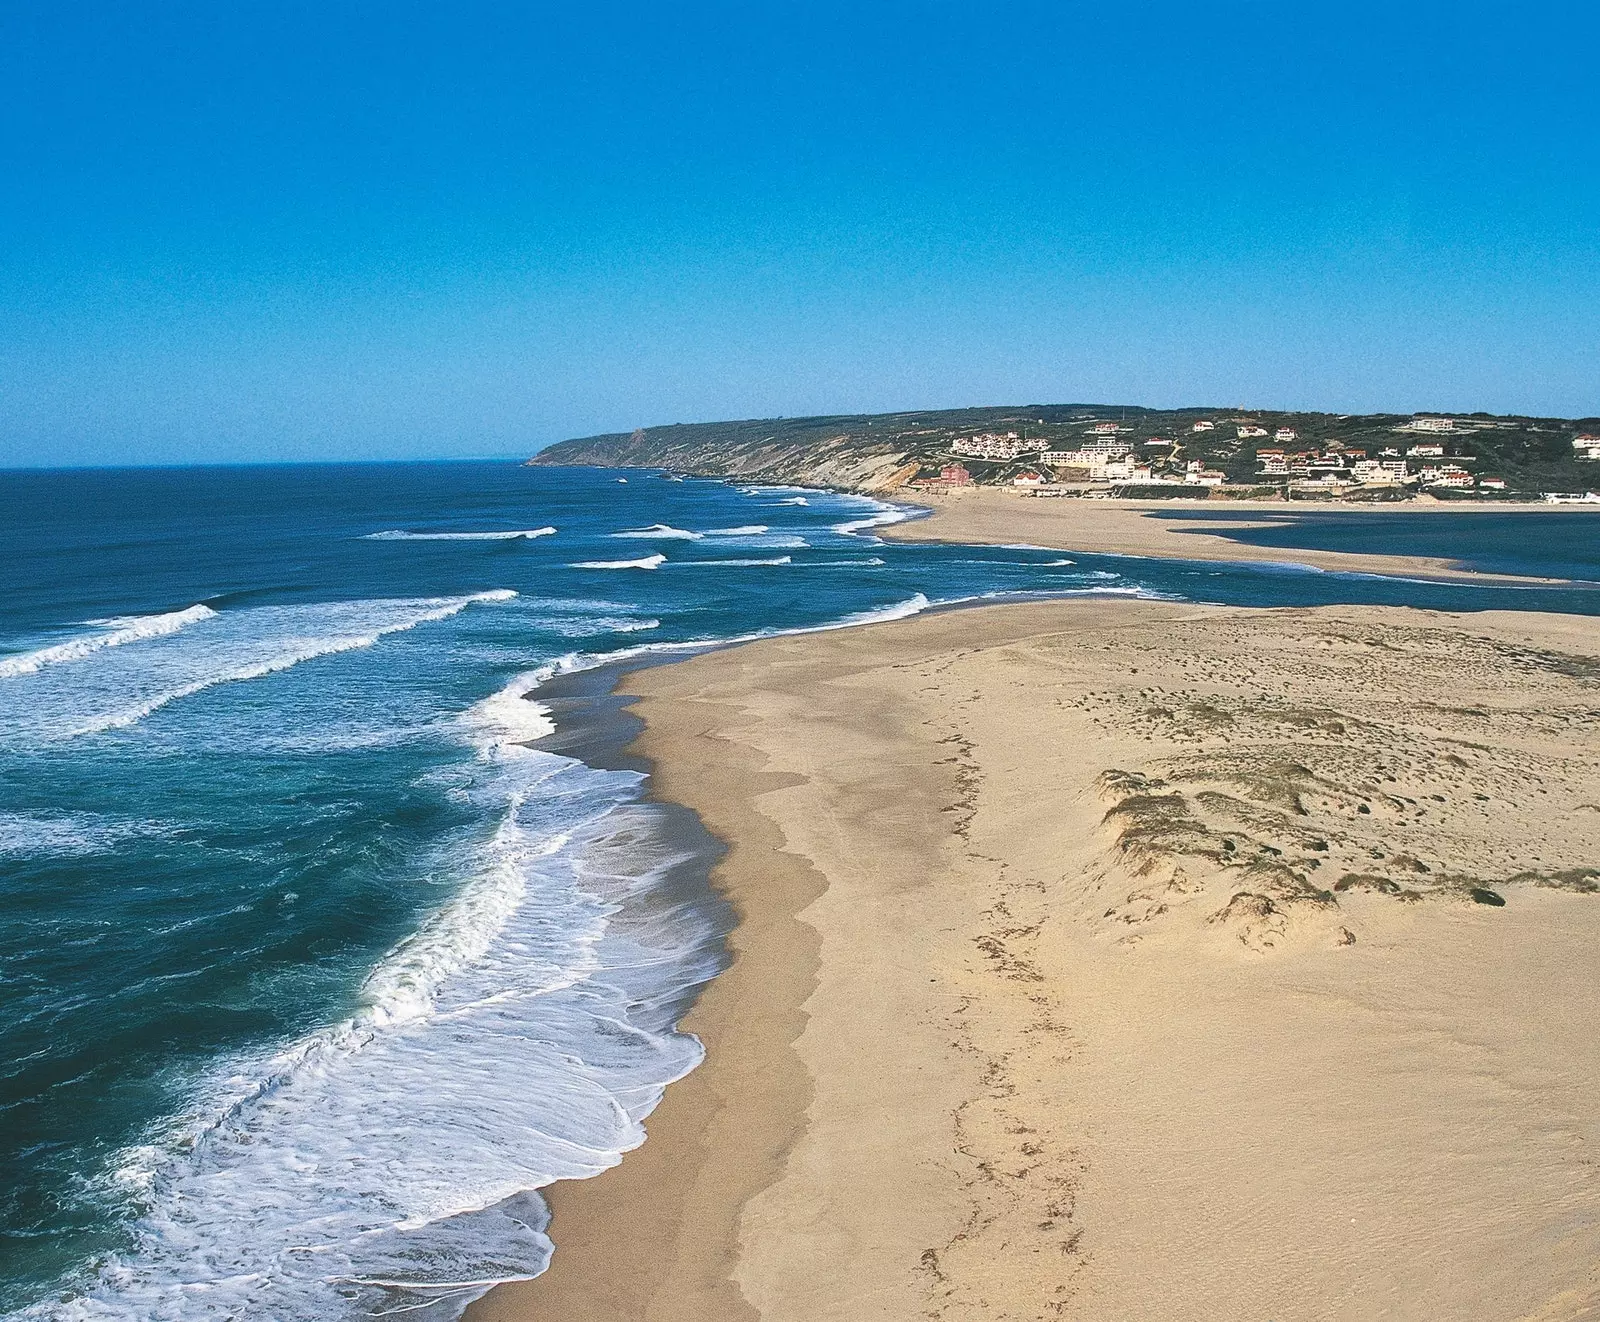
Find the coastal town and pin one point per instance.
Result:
(1101, 451)
(1110, 459)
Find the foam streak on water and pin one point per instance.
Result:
(514, 535)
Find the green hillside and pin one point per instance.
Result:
(868, 451)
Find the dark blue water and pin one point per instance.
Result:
(312, 966)
(1540, 542)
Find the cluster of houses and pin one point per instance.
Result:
(991, 445)
(1339, 466)
(1107, 454)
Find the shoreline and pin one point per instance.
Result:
(822, 1163)
(990, 516)
(702, 1160)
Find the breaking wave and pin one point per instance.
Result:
(519, 534)
(661, 532)
(644, 562)
(734, 564)
(241, 645)
(113, 633)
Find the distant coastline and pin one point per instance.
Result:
(1124, 450)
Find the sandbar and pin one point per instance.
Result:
(992, 515)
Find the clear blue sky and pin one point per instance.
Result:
(325, 230)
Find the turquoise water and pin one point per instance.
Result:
(313, 968)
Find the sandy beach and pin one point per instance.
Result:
(991, 515)
(1126, 960)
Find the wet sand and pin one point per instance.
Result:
(990, 516)
(1126, 960)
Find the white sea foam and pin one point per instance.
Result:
(900, 610)
(882, 518)
(1125, 591)
(109, 633)
(595, 625)
(748, 530)
(385, 1164)
(733, 564)
(775, 541)
(419, 612)
(510, 716)
(516, 534)
(644, 562)
(68, 834)
(112, 691)
(791, 500)
(660, 532)
(1055, 564)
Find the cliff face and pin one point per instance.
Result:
(826, 452)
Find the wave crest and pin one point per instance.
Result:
(644, 562)
(117, 633)
(661, 532)
(399, 535)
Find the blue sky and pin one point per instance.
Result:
(282, 231)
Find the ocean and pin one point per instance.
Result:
(335, 919)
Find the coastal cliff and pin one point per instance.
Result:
(847, 452)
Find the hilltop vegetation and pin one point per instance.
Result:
(885, 450)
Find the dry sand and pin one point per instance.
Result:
(1127, 961)
(990, 515)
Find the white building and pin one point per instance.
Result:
(1427, 450)
(1586, 447)
(1432, 424)
(1196, 474)
(1203, 426)
(1448, 476)
(1245, 433)
(993, 446)
(1284, 434)
(1095, 460)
